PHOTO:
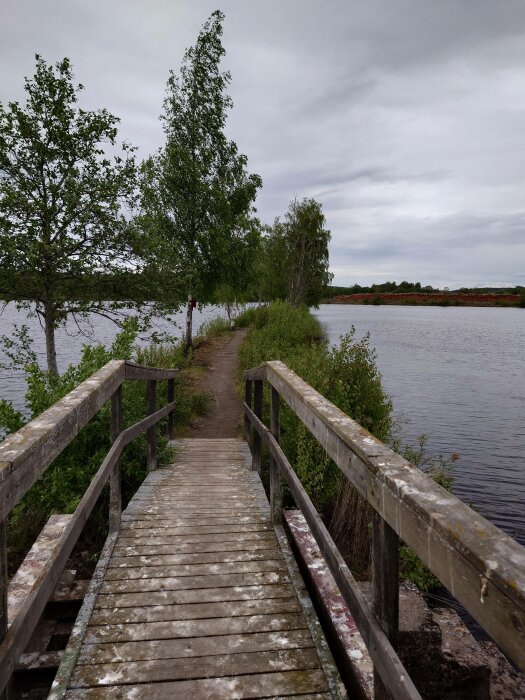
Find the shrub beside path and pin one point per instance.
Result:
(223, 419)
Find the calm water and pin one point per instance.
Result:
(69, 342)
(456, 374)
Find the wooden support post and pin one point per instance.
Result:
(171, 397)
(385, 587)
(4, 582)
(248, 391)
(151, 401)
(257, 409)
(276, 492)
(115, 479)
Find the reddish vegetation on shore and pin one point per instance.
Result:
(430, 299)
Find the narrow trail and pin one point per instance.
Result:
(224, 417)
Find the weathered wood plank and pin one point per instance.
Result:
(200, 595)
(193, 611)
(233, 687)
(193, 570)
(129, 652)
(200, 667)
(170, 583)
(185, 539)
(26, 454)
(226, 546)
(137, 372)
(129, 531)
(194, 628)
(195, 558)
(32, 568)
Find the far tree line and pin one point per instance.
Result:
(85, 228)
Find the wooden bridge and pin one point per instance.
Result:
(197, 593)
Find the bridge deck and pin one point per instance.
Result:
(197, 600)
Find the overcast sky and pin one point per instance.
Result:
(405, 118)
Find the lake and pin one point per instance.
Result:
(454, 373)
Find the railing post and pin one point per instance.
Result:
(4, 582)
(151, 401)
(276, 492)
(248, 390)
(171, 398)
(115, 479)
(257, 409)
(385, 587)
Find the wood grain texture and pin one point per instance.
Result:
(197, 600)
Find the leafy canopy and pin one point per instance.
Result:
(61, 195)
(196, 192)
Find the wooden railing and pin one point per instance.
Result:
(479, 564)
(25, 455)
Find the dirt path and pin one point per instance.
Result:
(224, 417)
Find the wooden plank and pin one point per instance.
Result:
(115, 479)
(164, 538)
(129, 531)
(483, 567)
(200, 521)
(29, 574)
(202, 667)
(26, 454)
(195, 558)
(193, 570)
(170, 583)
(151, 435)
(128, 652)
(385, 587)
(193, 611)
(200, 595)
(137, 372)
(250, 686)
(194, 628)
(194, 548)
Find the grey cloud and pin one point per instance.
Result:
(404, 117)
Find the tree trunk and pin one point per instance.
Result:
(188, 341)
(49, 319)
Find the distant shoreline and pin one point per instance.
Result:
(428, 299)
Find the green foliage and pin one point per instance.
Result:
(61, 198)
(196, 194)
(293, 258)
(346, 375)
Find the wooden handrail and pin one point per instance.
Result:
(482, 567)
(26, 454)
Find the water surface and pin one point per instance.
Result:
(456, 374)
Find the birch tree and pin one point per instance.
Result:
(196, 190)
(61, 198)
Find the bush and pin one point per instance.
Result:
(346, 375)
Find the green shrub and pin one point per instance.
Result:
(346, 375)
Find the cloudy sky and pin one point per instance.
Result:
(405, 118)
